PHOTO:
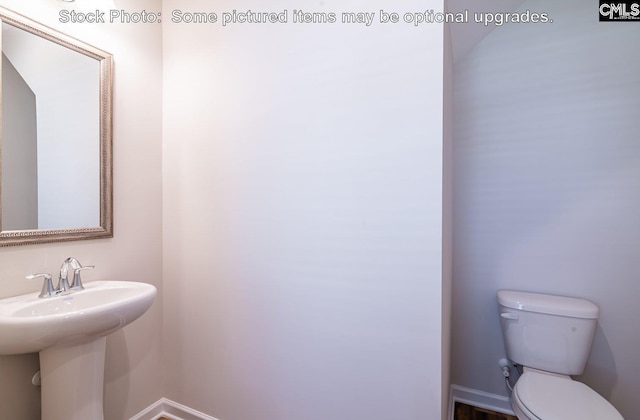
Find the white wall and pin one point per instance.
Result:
(547, 188)
(303, 216)
(133, 370)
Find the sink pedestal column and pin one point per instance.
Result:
(73, 381)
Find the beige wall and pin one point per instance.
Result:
(133, 370)
(303, 217)
(447, 214)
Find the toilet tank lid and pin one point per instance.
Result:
(548, 304)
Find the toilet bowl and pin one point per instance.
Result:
(550, 337)
(542, 395)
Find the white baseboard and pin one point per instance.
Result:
(172, 410)
(175, 411)
(476, 398)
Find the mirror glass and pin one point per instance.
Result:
(55, 138)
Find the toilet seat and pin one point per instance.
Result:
(546, 396)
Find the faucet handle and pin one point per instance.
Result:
(77, 281)
(47, 286)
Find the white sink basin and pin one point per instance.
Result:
(30, 324)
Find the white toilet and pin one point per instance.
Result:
(550, 337)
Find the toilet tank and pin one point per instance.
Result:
(547, 332)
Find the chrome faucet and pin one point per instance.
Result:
(63, 280)
(47, 286)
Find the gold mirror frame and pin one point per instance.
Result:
(105, 60)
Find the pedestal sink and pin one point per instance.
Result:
(69, 331)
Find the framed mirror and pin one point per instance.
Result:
(55, 135)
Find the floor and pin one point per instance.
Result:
(467, 412)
